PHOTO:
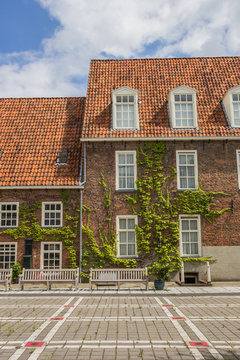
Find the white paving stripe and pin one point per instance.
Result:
(36, 333)
(197, 355)
(199, 334)
(53, 331)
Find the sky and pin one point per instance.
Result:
(46, 45)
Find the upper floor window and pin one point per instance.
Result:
(126, 170)
(9, 215)
(51, 255)
(187, 173)
(182, 107)
(231, 102)
(125, 109)
(51, 214)
(190, 235)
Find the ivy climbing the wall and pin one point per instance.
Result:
(158, 210)
(102, 251)
(29, 227)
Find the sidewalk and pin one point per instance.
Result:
(171, 289)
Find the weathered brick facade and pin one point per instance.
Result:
(30, 197)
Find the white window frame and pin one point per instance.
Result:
(10, 243)
(17, 211)
(43, 214)
(42, 252)
(187, 152)
(117, 153)
(182, 90)
(125, 91)
(228, 104)
(118, 217)
(191, 217)
(238, 166)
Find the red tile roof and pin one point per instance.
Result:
(154, 78)
(32, 131)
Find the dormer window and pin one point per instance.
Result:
(182, 108)
(125, 109)
(62, 157)
(231, 104)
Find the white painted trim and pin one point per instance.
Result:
(169, 138)
(182, 90)
(11, 242)
(117, 169)
(42, 187)
(49, 243)
(43, 213)
(228, 104)
(118, 217)
(182, 152)
(238, 166)
(199, 234)
(127, 91)
(9, 203)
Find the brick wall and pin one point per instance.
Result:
(30, 197)
(217, 171)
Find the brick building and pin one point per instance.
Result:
(191, 105)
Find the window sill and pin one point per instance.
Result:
(52, 227)
(125, 190)
(127, 257)
(8, 227)
(181, 190)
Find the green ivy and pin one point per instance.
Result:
(158, 210)
(103, 251)
(29, 227)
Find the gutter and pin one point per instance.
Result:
(81, 185)
(162, 138)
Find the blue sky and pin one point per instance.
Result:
(46, 45)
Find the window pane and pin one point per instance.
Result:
(123, 249)
(183, 183)
(189, 97)
(122, 237)
(194, 249)
(235, 97)
(190, 159)
(193, 224)
(177, 97)
(122, 223)
(129, 158)
(186, 249)
(131, 98)
(131, 237)
(191, 183)
(131, 249)
(130, 183)
(183, 171)
(185, 224)
(182, 159)
(190, 170)
(131, 223)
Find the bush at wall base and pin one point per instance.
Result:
(159, 284)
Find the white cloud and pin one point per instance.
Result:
(123, 28)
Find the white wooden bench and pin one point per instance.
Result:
(117, 276)
(5, 278)
(49, 277)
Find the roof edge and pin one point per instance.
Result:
(175, 138)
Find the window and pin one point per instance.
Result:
(183, 108)
(125, 108)
(238, 166)
(126, 170)
(9, 215)
(231, 106)
(187, 175)
(126, 236)
(236, 109)
(51, 255)
(8, 253)
(62, 157)
(52, 214)
(190, 239)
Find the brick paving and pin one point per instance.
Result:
(117, 327)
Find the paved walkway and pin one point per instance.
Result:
(170, 290)
(115, 327)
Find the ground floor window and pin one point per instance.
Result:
(51, 255)
(190, 236)
(8, 254)
(126, 236)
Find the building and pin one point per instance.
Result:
(190, 105)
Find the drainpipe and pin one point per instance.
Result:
(81, 183)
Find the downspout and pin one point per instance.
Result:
(81, 183)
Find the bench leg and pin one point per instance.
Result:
(147, 285)
(76, 284)
(118, 286)
(21, 286)
(48, 286)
